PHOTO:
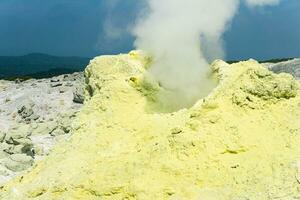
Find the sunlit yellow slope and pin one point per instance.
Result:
(242, 142)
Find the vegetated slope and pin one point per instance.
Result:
(241, 142)
(34, 64)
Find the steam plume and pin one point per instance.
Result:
(262, 2)
(183, 36)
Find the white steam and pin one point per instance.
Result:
(262, 2)
(183, 36)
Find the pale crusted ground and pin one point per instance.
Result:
(239, 143)
(32, 114)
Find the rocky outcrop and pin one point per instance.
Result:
(34, 115)
(240, 142)
(291, 67)
(78, 94)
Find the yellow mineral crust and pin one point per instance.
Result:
(242, 142)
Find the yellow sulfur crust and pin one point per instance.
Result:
(242, 142)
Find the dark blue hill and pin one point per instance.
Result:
(37, 63)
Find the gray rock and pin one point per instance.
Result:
(2, 136)
(56, 84)
(297, 72)
(18, 162)
(68, 77)
(57, 132)
(63, 89)
(69, 84)
(23, 141)
(23, 146)
(4, 171)
(7, 100)
(39, 150)
(33, 126)
(35, 117)
(26, 148)
(73, 77)
(25, 110)
(45, 128)
(17, 133)
(55, 79)
(292, 67)
(78, 95)
(18, 81)
(65, 124)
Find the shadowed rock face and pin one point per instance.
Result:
(291, 67)
(240, 142)
(33, 115)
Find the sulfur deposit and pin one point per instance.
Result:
(239, 143)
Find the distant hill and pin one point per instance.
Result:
(39, 65)
(40, 75)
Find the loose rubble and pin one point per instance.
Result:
(34, 116)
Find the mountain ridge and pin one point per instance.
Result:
(15, 66)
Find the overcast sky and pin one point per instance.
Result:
(94, 27)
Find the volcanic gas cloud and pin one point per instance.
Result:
(183, 37)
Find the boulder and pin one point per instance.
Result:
(73, 77)
(17, 144)
(26, 112)
(45, 128)
(55, 79)
(78, 95)
(17, 133)
(4, 171)
(57, 132)
(25, 148)
(18, 162)
(56, 84)
(69, 84)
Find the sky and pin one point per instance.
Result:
(94, 27)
